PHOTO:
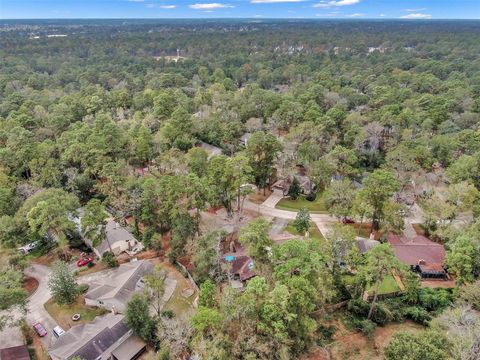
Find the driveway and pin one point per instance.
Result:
(36, 311)
(324, 222)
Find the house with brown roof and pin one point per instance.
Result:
(15, 353)
(423, 255)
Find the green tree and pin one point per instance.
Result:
(294, 191)
(302, 221)
(13, 295)
(62, 283)
(94, 222)
(379, 263)
(208, 293)
(376, 193)
(460, 259)
(155, 282)
(255, 237)
(137, 317)
(262, 150)
(51, 214)
(339, 199)
(428, 345)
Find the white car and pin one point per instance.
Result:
(28, 247)
(58, 331)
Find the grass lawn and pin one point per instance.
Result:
(313, 231)
(316, 207)
(63, 313)
(389, 285)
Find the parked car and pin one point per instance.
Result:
(85, 261)
(28, 247)
(58, 331)
(40, 330)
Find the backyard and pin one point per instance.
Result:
(388, 286)
(315, 207)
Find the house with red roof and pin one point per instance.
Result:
(423, 255)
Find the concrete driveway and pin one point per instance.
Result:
(36, 310)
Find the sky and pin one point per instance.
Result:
(329, 9)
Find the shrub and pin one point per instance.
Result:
(435, 299)
(367, 327)
(109, 259)
(168, 314)
(312, 196)
(294, 190)
(82, 288)
(417, 314)
(90, 264)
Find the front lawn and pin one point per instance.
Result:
(315, 207)
(62, 314)
(313, 231)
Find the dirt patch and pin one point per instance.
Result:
(354, 345)
(258, 197)
(30, 285)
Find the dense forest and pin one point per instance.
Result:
(383, 117)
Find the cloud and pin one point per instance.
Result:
(416, 16)
(381, 15)
(136, 0)
(209, 6)
(274, 1)
(167, 6)
(150, 6)
(415, 10)
(329, 4)
(355, 15)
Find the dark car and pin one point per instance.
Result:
(40, 330)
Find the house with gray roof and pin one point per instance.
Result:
(106, 338)
(117, 238)
(113, 291)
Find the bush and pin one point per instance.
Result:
(90, 265)
(109, 259)
(325, 334)
(367, 327)
(417, 314)
(82, 288)
(168, 314)
(435, 299)
(26, 331)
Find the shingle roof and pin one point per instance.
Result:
(419, 248)
(89, 341)
(15, 353)
(121, 283)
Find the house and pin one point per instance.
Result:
(365, 245)
(306, 185)
(15, 353)
(244, 139)
(106, 338)
(117, 238)
(240, 268)
(423, 255)
(113, 292)
(210, 149)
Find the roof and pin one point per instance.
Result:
(365, 245)
(212, 150)
(431, 269)
(114, 232)
(129, 348)
(15, 353)
(89, 341)
(243, 266)
(417, 249)
(121, 283)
